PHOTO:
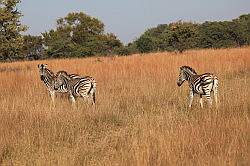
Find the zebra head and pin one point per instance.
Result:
(185, 73)
(42, 70)
(61, 79)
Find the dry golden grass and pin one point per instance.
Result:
(141, 116)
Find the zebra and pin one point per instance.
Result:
(84, 86)
(202, 84)
(48, 78)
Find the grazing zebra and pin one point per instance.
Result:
(48, 78)
(84, 87)
(202, 84)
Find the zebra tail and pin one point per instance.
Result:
(92, 89)
(215, 82)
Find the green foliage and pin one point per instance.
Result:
(180, 36)
(146, 44)
(33, 47)
(126, 50)
(11, 40)
(214, 35)
(58, 43)
(243, 29)
(175, 36)
(79, 35)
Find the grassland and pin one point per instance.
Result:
(141, 116)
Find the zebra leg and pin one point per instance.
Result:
(216, 99)
(208, 96)
(191, 96)
(52, 101)
(215, 90)
(90, 98)
(73, 100)
(52, 95)
(201, 101)
(93, 98)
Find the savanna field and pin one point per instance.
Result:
(141, 116)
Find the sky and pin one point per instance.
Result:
(128, 19)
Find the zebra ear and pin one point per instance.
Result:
(40, 65)
(59, 74)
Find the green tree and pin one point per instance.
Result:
(151, 40)
(58, 43)
(235, 34)
(214, 35)
(175, 36)
(187, 35)
(79, 35)
(182, 35)
(243, 29)
(146, 44)
(11, 41)
(130, 48)
(33, 47)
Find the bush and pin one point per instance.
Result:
(180, 35)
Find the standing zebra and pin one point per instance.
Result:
(48, 78)
(84, 87)
(202, 84)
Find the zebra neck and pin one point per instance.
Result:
(49, 82)
(49, 79)
(189, 75)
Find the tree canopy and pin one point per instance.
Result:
(180, 36)
(79, 35)
(10, 30)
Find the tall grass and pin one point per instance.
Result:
(141, 116)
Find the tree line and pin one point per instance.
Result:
(180, 36)
(80, 35)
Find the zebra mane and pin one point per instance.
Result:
(188, 68)
(63, 74)
(49, 71)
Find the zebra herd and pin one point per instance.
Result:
(73, 84)
(85, 86)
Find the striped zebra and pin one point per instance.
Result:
(48, 78)
(84, 87)
(202, 84)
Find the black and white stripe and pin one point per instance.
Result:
(203, 84)
(84, 87)
(48, 78)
